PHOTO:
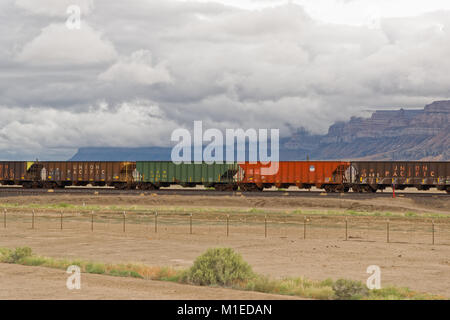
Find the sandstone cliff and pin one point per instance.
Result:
(386, 135)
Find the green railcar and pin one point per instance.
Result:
(156, 174)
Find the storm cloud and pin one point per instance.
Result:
(136, 70)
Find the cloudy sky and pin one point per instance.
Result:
(138, 69)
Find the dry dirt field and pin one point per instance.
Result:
(408, 260)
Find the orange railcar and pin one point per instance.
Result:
(329, 175)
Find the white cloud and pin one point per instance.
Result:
(269, 68)
(135, 123)
(350, 12)
(54, 7)
(58, 45)
(137, 69)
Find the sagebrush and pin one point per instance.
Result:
(219, 266)
(349, 290)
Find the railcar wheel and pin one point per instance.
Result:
(251, 187)
(330, 189)
(48, 185)
(146, 186)
(224, 187)
(27, 185)
(341, 188)
(369, 189)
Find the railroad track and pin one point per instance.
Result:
(12, 191)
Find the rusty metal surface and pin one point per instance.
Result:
(299, 173)
(67, 173)
(407, 173)
(12, 171)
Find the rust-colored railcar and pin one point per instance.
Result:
(370, 176)
(51, 174)
(329, 175)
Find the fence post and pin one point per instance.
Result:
(156, 222)
(265, 226)
(61, 220)
(32, 220)
(190, 223)
(92, 221)
(124, 221)
(228, 225)
(304, 228)
(432, 229)
(4, 218)
(346, 229)
(387, 231)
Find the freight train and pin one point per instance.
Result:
(332, 176)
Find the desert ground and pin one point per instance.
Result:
(285, 245)
(22, 282)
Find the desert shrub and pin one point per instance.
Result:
(125, 273)
(97, 268)
(327, 283)
(34, 261)
(291, 286)
(323, 293)
(4, 254)
(219, 266)
(349, 290)
(411, 214)
(17, 255)
(169, 274)
(134, 274)
(64, 205)
(396, 293)
(262, 284)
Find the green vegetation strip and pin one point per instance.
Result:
(222, 267)
(217, 210)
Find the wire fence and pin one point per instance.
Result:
(349, 228)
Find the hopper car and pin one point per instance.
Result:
(332, 176)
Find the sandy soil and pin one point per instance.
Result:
(21, 282)
(422, 267)
(409, 260)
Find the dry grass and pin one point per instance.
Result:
(150, 210)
